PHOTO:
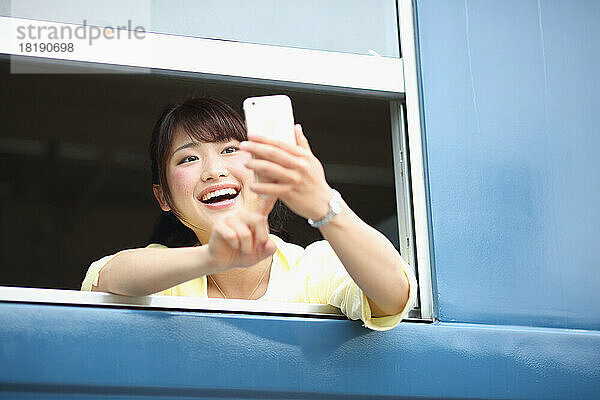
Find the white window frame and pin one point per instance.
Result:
(225, 58)
(86, 298)
(417, 163)
(395, 79)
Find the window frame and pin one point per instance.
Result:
(418, 178)
(394, 79)
(222, 58)
(87, 298)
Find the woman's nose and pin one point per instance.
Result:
(214, 169)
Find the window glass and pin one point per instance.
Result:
(351, 26)
(75, 180)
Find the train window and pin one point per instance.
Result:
(76, 185)
(336, 25)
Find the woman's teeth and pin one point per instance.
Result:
(218, 193)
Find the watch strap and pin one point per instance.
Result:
(334, 209)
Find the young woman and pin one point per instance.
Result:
(203, 167)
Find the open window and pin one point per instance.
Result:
(75, 180)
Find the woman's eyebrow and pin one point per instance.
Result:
(185, 146)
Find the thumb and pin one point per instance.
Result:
(300, 138)
(266, 205)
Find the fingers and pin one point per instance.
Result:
(244, 235)
(269, 248)
(228, 234)
(299, 149)
(246, 232)
(301, 140)
(266, 205)
(273, 172)
(271, 151)
(261, 233)
(270, 189)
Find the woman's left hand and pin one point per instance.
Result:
(291, 173)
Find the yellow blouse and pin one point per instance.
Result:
(311, 275)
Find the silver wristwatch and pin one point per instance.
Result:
(335, 207)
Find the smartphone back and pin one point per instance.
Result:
(270, 116)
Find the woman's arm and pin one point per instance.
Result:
(140, 272)
(296, 176)
(370, 259)
(237, 240)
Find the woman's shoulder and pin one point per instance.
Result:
(318, 251)
(289, 251)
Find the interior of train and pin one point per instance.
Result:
(75, 180)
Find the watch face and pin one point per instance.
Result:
(336, 203)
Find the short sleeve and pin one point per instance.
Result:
(93, 272)
(390, 321)
(91, 277)
(328, 282)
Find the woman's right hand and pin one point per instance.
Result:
(240, 239)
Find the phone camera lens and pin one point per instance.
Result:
(253, 103)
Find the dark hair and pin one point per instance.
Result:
(205, 119)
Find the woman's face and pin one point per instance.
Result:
(208, 180)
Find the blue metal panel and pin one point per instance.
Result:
(512, 128)
(80, 351)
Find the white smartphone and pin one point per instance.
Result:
(270, 116)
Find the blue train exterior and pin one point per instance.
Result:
(511, 132)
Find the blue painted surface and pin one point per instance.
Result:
(512, 127)
(85, 350)
(512, 138)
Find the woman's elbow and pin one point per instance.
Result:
(111, 281)
(404, 293)
(397, 299)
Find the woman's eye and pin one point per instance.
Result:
(187, 159)
(230, 149)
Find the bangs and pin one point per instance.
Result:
(203, 119)
(208, 121)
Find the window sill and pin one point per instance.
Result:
(84, 298)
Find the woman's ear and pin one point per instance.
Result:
(158, 193)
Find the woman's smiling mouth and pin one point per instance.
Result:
(219, 196)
